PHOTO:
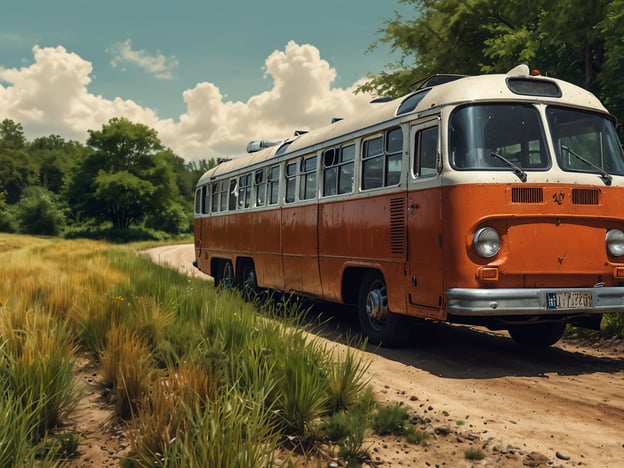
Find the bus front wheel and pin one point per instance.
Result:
(539, 335)
(379, 324)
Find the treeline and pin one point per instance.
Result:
(576, 40)
(122, 185)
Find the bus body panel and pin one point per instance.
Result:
(555, 240)
(299, 228)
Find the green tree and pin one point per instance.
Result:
(127, 176)
(55, 159)
(17, 170)
(38, 212)
(575, 40)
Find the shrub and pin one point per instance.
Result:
(38, 213)
(390, 420)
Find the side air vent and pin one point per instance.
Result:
(527, 195)
(398, 233)
(586, 197)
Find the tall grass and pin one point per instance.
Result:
(200, 377)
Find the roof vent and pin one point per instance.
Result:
(520, 70)
(257, 145)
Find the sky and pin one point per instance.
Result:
(208, 76)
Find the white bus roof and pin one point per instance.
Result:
(459, 90)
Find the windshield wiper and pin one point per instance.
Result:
(604, 175)
(516, 169)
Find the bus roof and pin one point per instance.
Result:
(456, 91)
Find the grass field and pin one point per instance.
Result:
(197, 375)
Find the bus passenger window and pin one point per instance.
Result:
(199, 198)
(307, 179)
(214, 188)
(260, 184)
(394, 155)
(291, 182)
(206, 202)
(244, 191)
(425, 152)
(233, 195)
(223, 189)
(345, 176)
(273, 185)
(372, 167)
(382, 160)
(330, 172)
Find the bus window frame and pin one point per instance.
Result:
(291, 178)
(337, 166)
(273, 184)
(416, 146)
(384, 156)
(308, 175)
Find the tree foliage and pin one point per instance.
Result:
(575, 40)
(123, 178)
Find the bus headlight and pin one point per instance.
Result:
(486, 242)
(615, 242)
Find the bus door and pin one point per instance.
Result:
(424, 221)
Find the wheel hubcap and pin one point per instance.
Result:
(377, 306)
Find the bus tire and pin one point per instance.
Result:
(225, 275)
(248, 281)
(539, 335)
(379, 324)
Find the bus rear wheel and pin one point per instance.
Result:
(225, 275)
(379, 324)
(248, 281)
(539, 335)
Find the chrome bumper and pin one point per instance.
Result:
(529, 301)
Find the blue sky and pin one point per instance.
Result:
(147, 58)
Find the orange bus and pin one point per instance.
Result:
(493, 200)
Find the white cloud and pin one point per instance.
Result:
(156, 64)
(51, 96)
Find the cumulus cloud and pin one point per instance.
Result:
(51, 96)
(156, 64)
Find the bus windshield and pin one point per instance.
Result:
(585, 141)
(506, 137)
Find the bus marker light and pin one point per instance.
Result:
(487, 274)
(619, 272)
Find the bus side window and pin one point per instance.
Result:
(273, 185)
(260, 184)
(291, 182)
(382, 160)
(330, 172)
(223, 194)
(206, 201)
(425, 152)
(214, 188)
(244, 191)
(307, 179)
(233, 195)
(372, 163)
(394, 156)
(199, 197)
(345, 174)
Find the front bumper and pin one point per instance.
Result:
(531, 301)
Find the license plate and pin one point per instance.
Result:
(568, 300)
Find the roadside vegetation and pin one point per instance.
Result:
(195, 374)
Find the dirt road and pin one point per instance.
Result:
(564, 404)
